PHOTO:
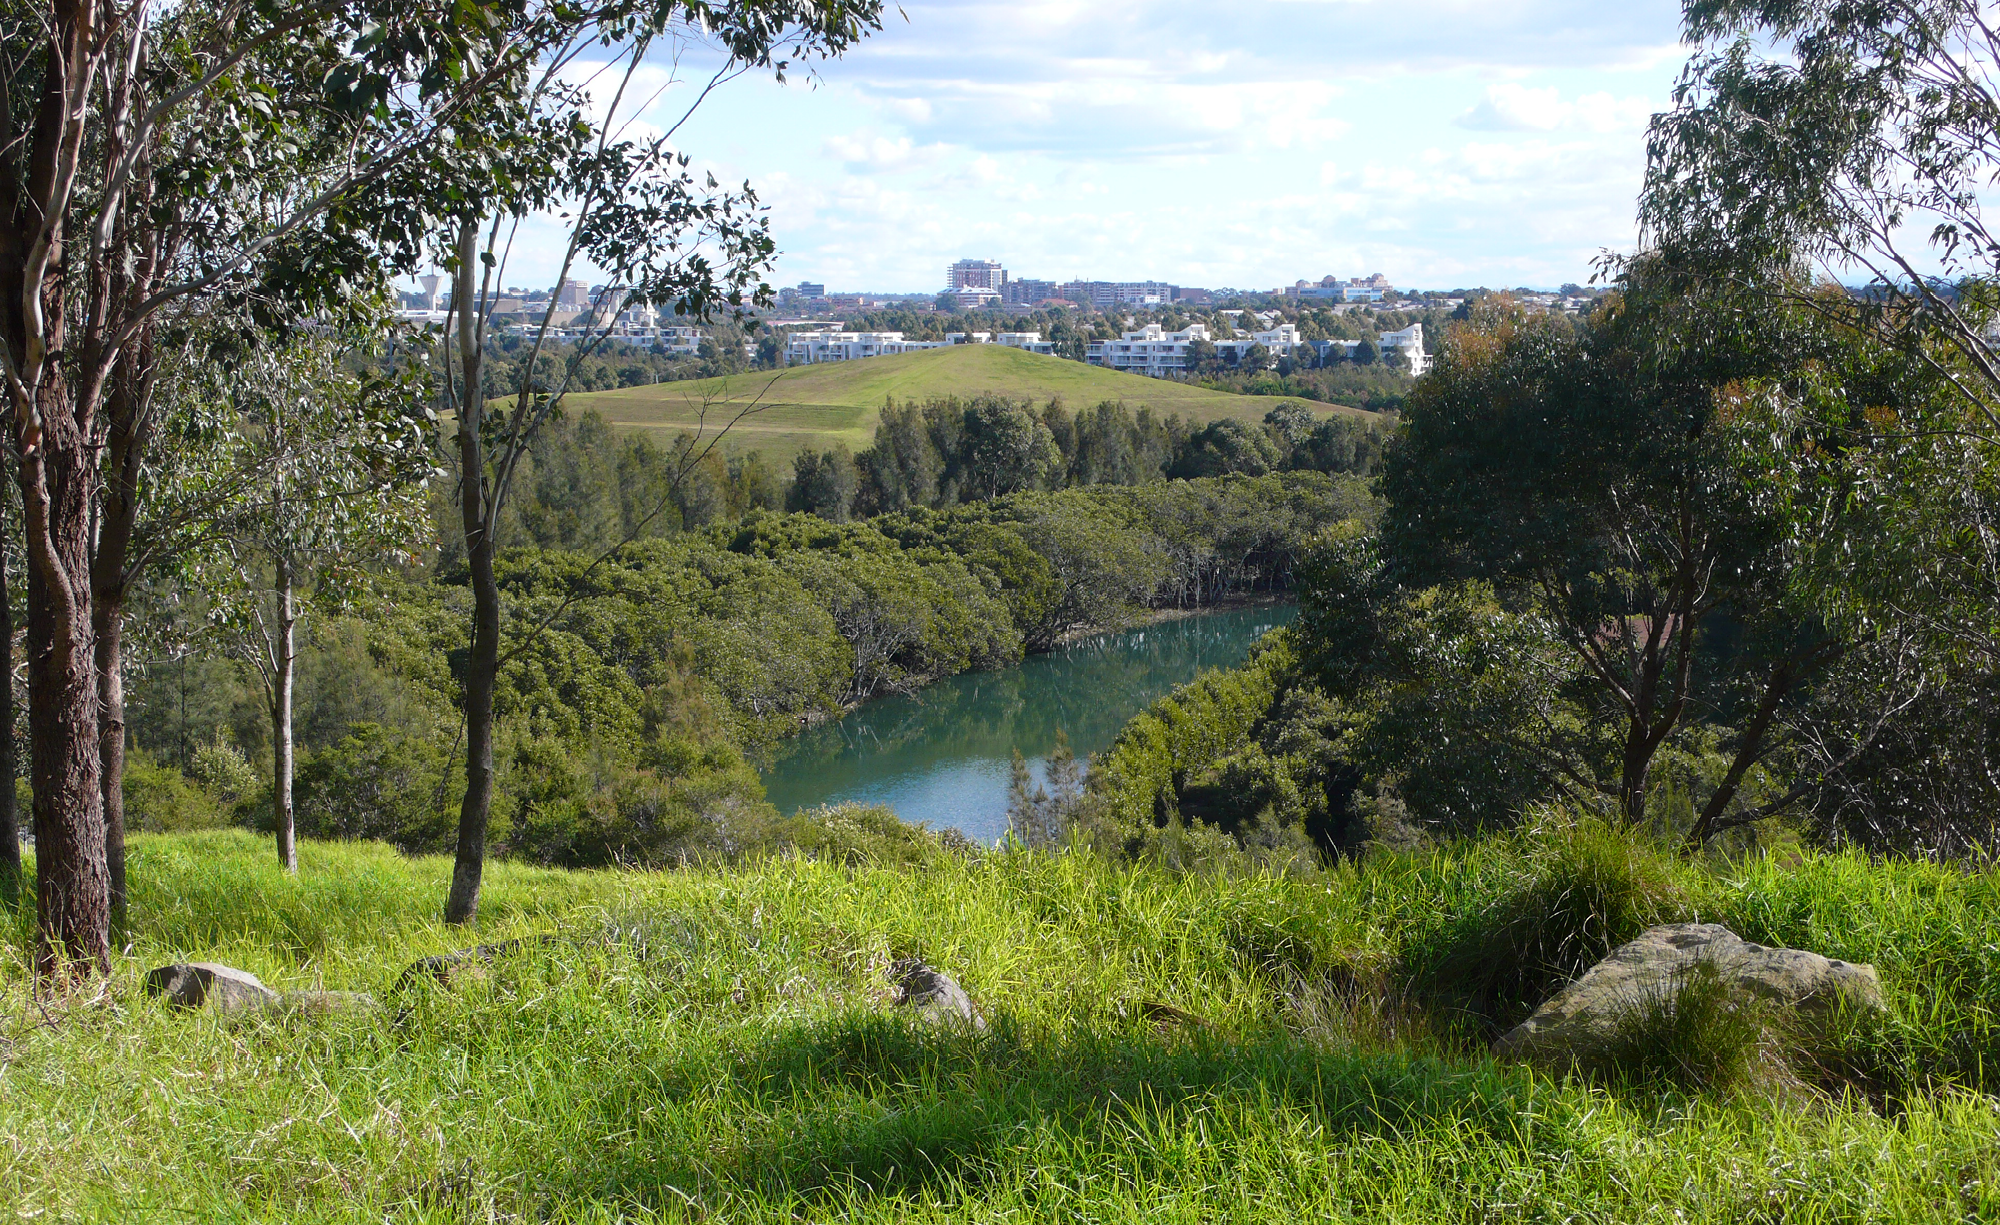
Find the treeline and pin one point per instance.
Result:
(639, 680)
(1376, 387)
(607, 364)
(584, 485)
(945, 452)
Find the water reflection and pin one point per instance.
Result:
(942, 756)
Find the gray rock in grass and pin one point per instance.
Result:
(934, 995)
(209, 984)
(330, 1003)
(1577, 1022)
(467, 964)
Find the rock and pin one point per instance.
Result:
(471, 963)
(933, 993)
(1166, 1016)
(331, 1003)
(208, 984)
(1583, 1015)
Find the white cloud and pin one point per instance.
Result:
(1443, 142)
(880, 152)
(1513, 107)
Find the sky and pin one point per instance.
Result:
(1444, 143)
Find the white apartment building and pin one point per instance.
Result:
(811, 348)
(1282, 341)
(1408, 341)
(1031, 341)
(1354, 289)
(1151, 351)
(1157, 353)
(681, 341)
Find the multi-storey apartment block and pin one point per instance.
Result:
(976, 274)
(1409, 342)
(811, 348)
(1354, 289)
(1156, 352)
(1101, 294)
(1152, 350)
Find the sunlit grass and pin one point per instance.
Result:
(840, 401)
(732, 1056)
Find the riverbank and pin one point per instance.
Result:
(944, 756)
(1161, 616)
(1160, 1047)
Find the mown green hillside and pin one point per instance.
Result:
(1162, 1047)
(821, 405)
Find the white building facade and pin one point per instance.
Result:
(1158, 353)
(812, 348)
(1408, 342)
(976, 274)
(1151, 351)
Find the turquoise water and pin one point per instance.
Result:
(942, 755)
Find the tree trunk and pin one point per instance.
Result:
(108, 624)
(72, 883)
(483, 664)
(480, 671)
(281, 720)
(10, 821)
(52, 436)
(118, 513)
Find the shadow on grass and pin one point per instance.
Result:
(873, 1105)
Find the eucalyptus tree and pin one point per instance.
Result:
(661, 234)
(159, 157)
(1597, 480)
(1847, 137)
(328, 473)
(1853, 134)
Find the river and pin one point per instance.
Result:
(942, 756)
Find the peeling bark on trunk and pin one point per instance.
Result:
(10, 821)
(72, 882)
(108, 624)
(53, 437)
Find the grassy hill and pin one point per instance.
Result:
(718, 1046)
(839, 402)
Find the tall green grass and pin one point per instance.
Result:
(730, 1056)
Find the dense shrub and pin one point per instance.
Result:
(221, 770)
(687, 804)
(1137, 784)
(161, 800)
(856, 834)
(386, 784)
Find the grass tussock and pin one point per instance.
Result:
(716, 1046)
(1539, 909)
(1694, 1034)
